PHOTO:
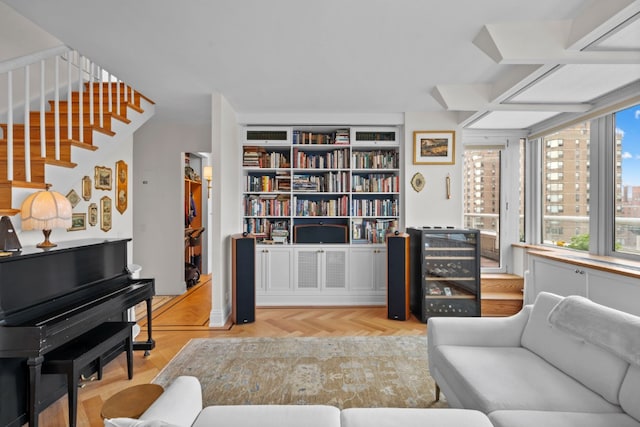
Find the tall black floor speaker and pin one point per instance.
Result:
(243, 306)
(398, 290)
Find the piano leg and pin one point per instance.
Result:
(35, 371)
(150, 344)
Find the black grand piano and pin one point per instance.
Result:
(48, 298)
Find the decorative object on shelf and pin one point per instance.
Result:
(448, 185)
(93, 214)
(207, 173)
(45, 210)
(417, 182)
(78, 222)
(102, 178)
(189, 173)
(122, 180)
(8, 237)
(106, 217)
(434, 147)
(73, 197)
(86, 188)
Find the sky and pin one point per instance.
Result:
(628, 123)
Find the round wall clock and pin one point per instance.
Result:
(417, 182)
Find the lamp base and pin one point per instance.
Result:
(47, 243)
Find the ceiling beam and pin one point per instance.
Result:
(474, 97)
(542, 43)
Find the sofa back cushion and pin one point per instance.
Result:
(592, 366)
(630, 391)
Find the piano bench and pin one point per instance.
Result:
(78, 353)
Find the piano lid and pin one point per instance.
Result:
(70, 271)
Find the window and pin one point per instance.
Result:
(484, 213)
(565, 219)
(627, 181)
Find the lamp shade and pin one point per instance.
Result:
(207, 172)
(45, 210)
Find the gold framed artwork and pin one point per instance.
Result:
(92, 214)
(122, 179)
(434, 147)
(78, 222)
(417, 182)
(73, 198)
(106, 213)
(102, 178)
(86, 188)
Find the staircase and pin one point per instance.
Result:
(69, 125)
(501, 294)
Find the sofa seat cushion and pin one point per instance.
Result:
(413, 417)
(559, 419)
(269, 416)
(495, 378)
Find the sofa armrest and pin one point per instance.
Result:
(180, 403)
(474, 331)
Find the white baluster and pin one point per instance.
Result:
(56, 101)
(10, 126)
(110, 93)
(81, 97)
(69, 103)
(91, 93)
(101, 99)
(27, 126)
(118, 96)
(43, 137)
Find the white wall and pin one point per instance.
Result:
(121, 224)
(226, 217)
(158, 218)
(430, 207)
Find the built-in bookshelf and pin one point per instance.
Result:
(321, 175)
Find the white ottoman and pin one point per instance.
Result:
(269, 416)
(413, 417)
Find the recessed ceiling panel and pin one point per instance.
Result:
(579, 83)
(511, 119)
(627, 38)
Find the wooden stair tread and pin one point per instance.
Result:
(61, 163)
(9, 212)
(501, 296)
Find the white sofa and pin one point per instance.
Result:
(181, 406)
(561, 362)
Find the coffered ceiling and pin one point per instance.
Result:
(496, 64)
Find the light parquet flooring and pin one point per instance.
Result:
(186, 317)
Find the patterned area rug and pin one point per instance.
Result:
(345, 372)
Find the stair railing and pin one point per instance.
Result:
(79, 69)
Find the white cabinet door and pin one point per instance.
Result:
(368, 266)
(614, 290)
(274, 269)
(555, 277)
(308, 268)
(380, 269)
(336, 263)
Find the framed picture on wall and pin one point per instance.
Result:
(102, 178)
(122, 180)
(86, 188)
(78, 222)
(92, 216)
(106, 213)
(434, 147)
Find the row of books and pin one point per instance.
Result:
(267, 206)
(379, 159)
(332, 207)
(377, 207)
(336, 159)
(266, 183)
(258, 157)
(331, 182)
(340, 136)
(375, 183)
(371, 231)
(266, 229)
